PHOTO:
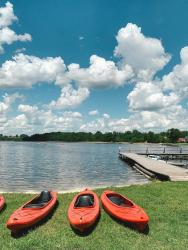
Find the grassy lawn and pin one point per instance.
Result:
(166, 203)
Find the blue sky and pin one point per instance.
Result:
(134, 86)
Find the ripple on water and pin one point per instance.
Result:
(35, 166)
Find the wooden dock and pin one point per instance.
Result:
(155, 169)
(164, 152)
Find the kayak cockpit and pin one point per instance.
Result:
(85, 200)
(40, 201)
(119, 200)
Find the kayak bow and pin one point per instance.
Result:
(84, 210)
(32, 212)
(2, 202)
(124, 209)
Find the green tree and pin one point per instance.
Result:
(173, 134)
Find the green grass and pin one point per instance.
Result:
(166, 203)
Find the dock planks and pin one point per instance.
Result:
(161, 170)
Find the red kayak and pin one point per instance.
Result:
(124, 209)
(2, 202)
(84, 210)
(32, 212)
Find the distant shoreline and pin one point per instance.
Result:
(103, 142)
(134, 136)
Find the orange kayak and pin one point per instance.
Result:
(2, 202)
(84, 210)
(124, 209)
(32, 212)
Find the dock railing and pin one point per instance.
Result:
(158, 151)
(165, 153)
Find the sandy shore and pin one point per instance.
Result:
(75, 190)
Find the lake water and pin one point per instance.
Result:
(33, 166)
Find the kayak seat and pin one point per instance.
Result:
(118, 200)
(40, 201)
(84, 201)
(35, 205)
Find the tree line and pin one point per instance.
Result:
(170, 136)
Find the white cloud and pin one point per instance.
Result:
(154, 104)
(120, 125)
(171, 117)
(27, 108)
(7, 16)
(101, 73)
(20, 50)
(145, 55)
(70, 97)
(81, 38)
(40, 121)
(93, 126)
(67, 121)
(73, 114)
(3, 107)
(177, 80)
(19, 121)
(24, 70)
(108, 125)
(93, 112)
(3, 120)
(34, 120)
(7, 35)
(49, 120)
(8, 100)
(16, 125)
(107, 116)
(148, 96)
(174, 116)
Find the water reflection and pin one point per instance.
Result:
(35, 166)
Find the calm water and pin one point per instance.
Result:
(33, 166)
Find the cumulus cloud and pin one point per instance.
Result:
(101, 73)
(27, 108)
(94, 126)
(5, 106)
(177, 80)
(20, 50)
(24, 70)
(47, 119)
(145, 55)
(106, 124)
(175, 116)
(8, 100)
(67, 121)
(7, 35)
(19, 121)
(109, 125)
(40, 121)
(7, 16)
(93, 112)
(70, 97)
(153, 103)
(107, 116)
(148, 96)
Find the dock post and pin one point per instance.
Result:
(147, 151)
